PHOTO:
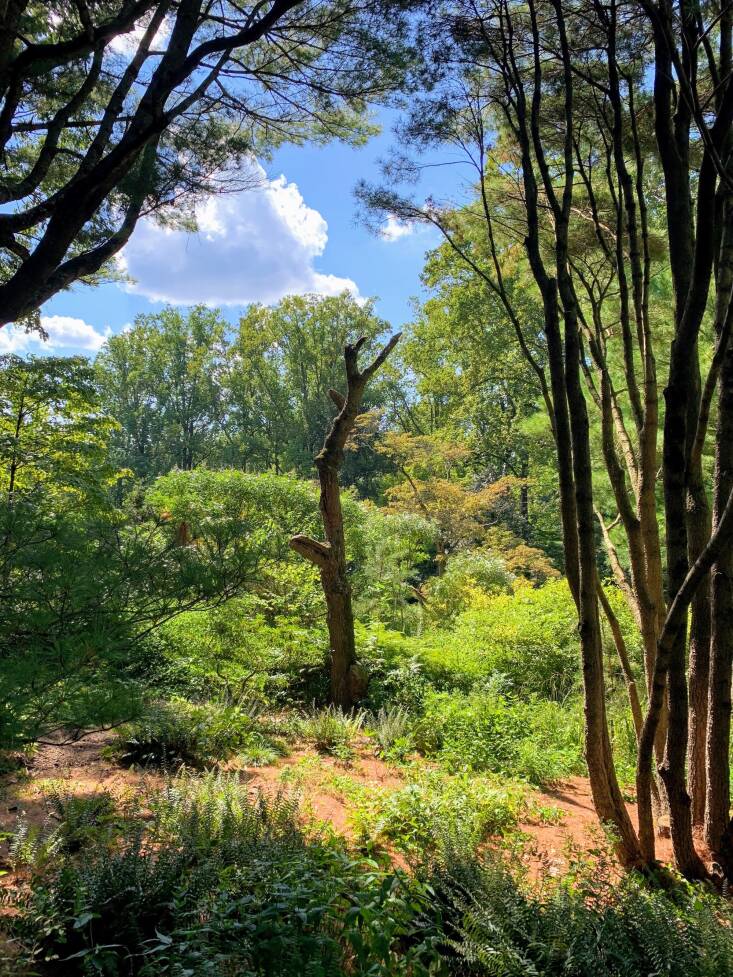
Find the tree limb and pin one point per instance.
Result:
(312, 550)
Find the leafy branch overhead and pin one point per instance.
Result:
(110, 112)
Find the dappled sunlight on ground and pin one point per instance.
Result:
(565, 828)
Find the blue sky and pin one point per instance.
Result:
(298, 234)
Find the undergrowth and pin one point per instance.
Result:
(331, 730)
(429, 808)
(216, 883)
(538, 741)
(178, 732)
(591, 925)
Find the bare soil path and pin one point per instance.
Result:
(553, 846)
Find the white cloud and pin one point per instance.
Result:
(65, 334)
(253, 246)
(127, 44)
(394, 229)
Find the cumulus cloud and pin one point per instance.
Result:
(65, 334)
(394, 229)
(254, 246)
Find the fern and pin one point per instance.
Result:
(498, 926)
(217, 882)
(332, 730)
(391, 726)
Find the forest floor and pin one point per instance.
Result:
(566, 826)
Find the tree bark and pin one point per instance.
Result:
(698, 533)
(623, 657)
(674, 625)
(717, 818)
(607, 798)
(691, 253)
(348, 680)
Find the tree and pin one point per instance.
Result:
(464, 513)
(85, 582)
(162, 380)
(128, 388)
(548, 103)
(187, 390)
(348, 681)
(400, 549)
(285, 359)
(112, 111)
(54, 433)
(477, 389)
(281, 365)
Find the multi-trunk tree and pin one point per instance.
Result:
(599, 134)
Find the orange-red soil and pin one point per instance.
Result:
(82, 770)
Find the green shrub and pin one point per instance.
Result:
(424, 813)
(467, 574)
(396, 670)
(433, 808)
(177, 732)
(537, 741)
(31, 846)
(217, 884)
(404, 669)
(398, 550)
(527, 641)
(332, 730)
(531, 637)
(238, 651)
(72, 822)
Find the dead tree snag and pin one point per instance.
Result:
(348, 678)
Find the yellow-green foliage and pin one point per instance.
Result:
(528, 638)
(531, 637)
(536, 740)
(469, 577)
(432, 808)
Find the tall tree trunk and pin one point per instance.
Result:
(570, 417)
(623, 657)
(717, 819)
(698, 526)
(607, 798)
(718, 832)
(348, 680)
(691, 259)
(673, 768)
